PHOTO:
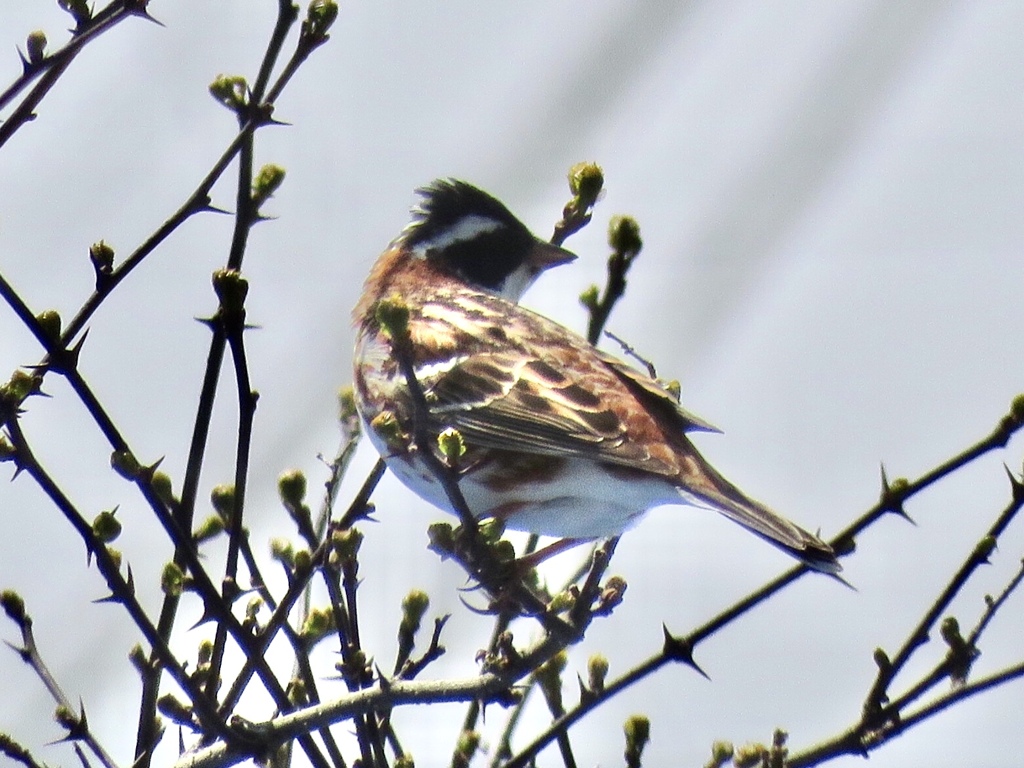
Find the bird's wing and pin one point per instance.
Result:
(533, 386)
(654, 395)
(513, 402)
(540, 388)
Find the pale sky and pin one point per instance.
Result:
(831, 199)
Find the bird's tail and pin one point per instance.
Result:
(701, 480)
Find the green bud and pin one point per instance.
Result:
(597, 671)
(345, 543)
(392, 314)
(638, 732)
(175, 710)
(210, 527)
(115, 556)
(442, 538)
(386, 425)
(282, 550)
(137, 656)
(102, 257)
(721, 753)
(504, 551)
(466, 747)
(585, 183)
(612, 593)
(549, 677)
(563, 601)
(297, 693)
(266, 183)
(358, 665)
(984, 548)
(404, 761)
(35, 46)
(675, 389)
(492, 529)
(347, 403)
(414, 606)
(882, 661)
(126, 465)
(231, 289)
(172, 580)
(950, 631)
(66, 718)
(749, 756)
(452, 446)
(230, 90)
(222, 497)
(303, 560)
(7, 451)
(1017, 409)
(205, 652)
(291, 486)
(899, 486)
(624, 235)
(317, 626)
(319, 18)
(79, 10)
(50, 322)
(590, 298)
(20, 386)
(14, 606)
(253, 606)
(161, 484)
(106, 526)
(961, 654)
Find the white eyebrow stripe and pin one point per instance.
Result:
(467, 228)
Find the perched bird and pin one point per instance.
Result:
(560, 438)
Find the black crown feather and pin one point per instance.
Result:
(484, 258)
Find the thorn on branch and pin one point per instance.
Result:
(680, 649)
(893, 495)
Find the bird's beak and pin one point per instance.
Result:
(545, 255)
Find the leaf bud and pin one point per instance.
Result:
(414, 606)
(79, 10)
(347, 403)
(452, 446)
(638, 732)
(624, 235)
(320, 16)
(281, 549)
(222, 497)
(231, 289)
(49, 321)
(268, 180)
(162, 487)
(230, 90)
(125, 464)
(102, 257)
(14, 606)
(206, 530)
(175, 710)
(172, 580)
(392, 314)
(291, 486)
(597, 671)
(590, 297)
(106, 526)
(585, 183)
(345, 543)
(35, 46)
(317, 626)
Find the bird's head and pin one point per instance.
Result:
(465, 232)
